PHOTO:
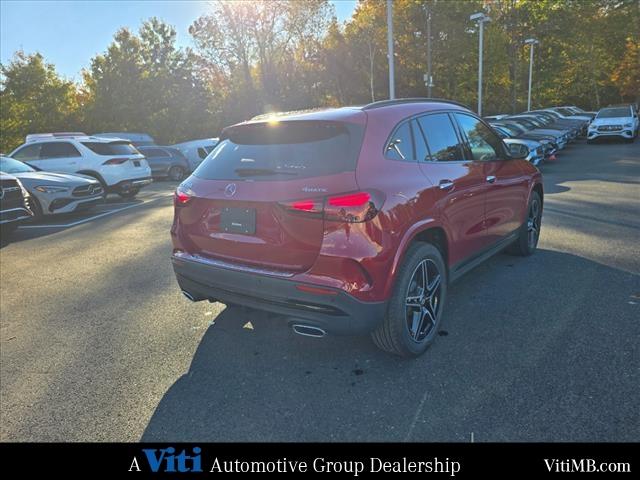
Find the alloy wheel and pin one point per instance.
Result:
(533, 224)
(422, 303)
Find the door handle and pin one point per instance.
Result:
(445, 185)
(491, 178)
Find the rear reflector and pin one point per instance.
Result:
(181, 197)
(315, 290)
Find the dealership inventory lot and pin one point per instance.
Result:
(97, 343)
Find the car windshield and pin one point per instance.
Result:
(614, 112)
(10, 165)
(111, 148)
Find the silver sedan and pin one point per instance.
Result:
(54, 192)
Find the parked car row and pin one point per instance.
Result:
(65, 172)
(544, 132)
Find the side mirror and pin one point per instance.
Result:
(517, 150)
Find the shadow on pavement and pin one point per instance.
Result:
(516, 361)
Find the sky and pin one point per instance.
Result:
(69, 33)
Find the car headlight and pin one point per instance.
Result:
(628, 125)
(51, 189)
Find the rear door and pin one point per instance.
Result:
(58, 157)
(506, 182)
(258, 198)
(460, 186)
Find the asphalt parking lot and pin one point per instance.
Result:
(98, 344)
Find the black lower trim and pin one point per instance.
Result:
(339, 314)
(126, 185)
(462, 267)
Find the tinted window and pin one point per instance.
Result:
(400, 146)
(30, 152)
(483, 143)
(418, 142)
(154, 152)
(287, 150)
(111, 148)
(58, 150)
(441, 137)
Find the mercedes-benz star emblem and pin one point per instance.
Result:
(230, 190)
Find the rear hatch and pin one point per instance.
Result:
(258, 198)
(119, 152)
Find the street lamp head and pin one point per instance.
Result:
(480, 17)
(531, 41)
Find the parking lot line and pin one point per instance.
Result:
(94, 217)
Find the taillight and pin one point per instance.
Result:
(348, 207)
(181, 196)
(116, 161)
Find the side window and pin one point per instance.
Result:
(154, 153)
(30, 152)
(400, 146)
(202, 153)
(58, 150)
(419, 143)
(441, 137)
(483, 143)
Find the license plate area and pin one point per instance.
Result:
(238, 220)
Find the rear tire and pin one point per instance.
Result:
(129, 194)
(529, 235)
(414, 313)
(177, 173)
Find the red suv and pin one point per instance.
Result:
(354, 219)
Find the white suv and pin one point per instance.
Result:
(116, 163)
(614, 122)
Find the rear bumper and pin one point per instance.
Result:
(336, 312)
(125, 185)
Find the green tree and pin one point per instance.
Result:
(34, 99)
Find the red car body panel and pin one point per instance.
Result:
(360, 259)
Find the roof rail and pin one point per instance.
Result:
(398, 101)
(41, 136)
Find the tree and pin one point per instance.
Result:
(33, 99)
(145, 83)
(626, 75)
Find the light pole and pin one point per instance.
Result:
(481, 18)
(429, 78)
(392, 86)
(531, 42)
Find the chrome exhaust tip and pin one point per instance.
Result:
(308, 330)
(188, 295)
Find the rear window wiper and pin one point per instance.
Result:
(254, 172)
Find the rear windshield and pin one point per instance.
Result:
(615, 112)
(112, 148)
(286, 150)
